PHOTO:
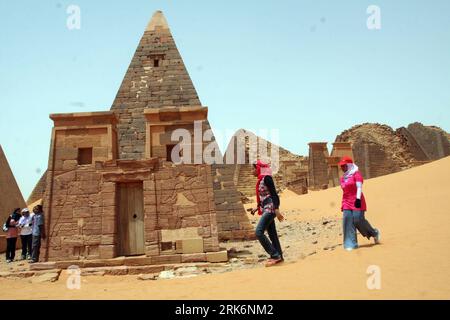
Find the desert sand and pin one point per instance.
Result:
(411, 208)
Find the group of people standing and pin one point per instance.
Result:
(353, 207)
(31, 229)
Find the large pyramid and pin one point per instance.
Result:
(10, 195)
(157, 78)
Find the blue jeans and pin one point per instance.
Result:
(352, 221)
(272, 246)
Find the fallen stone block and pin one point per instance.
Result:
(46, 277)
(221, 256)
(4, 274)
(144, 277)
(23, 274)
(43, 266)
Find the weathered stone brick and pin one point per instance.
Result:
(221, 256)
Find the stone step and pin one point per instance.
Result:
(131, 262)
(28, 274)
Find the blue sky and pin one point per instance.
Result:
(308, 68)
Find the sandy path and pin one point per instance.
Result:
(411, 208)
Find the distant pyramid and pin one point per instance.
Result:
(292, 168)
(379, 150)
(10, 195)
(39, 190)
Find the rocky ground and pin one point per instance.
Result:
(299, 240)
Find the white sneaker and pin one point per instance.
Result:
(349, 249)
(377, 238)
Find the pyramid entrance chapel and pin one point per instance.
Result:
(112, 188)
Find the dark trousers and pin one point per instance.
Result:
(11, 248)
(36, 248)
(272, 246)
(26, 245)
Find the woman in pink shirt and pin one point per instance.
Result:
(354, 206)
(12, 234)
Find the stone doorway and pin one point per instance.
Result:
(131, 218)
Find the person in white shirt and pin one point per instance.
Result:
(25, 226)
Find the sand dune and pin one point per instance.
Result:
(411, 208)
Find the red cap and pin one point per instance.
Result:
(345, 160)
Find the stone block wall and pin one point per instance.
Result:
(334, 172)
(373, 160)
(232, 220)
(433, 141)
(318, 165)
(185, 199)
(341, 149)
(414, 147)
(83, 209)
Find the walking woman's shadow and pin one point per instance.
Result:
(369, 245)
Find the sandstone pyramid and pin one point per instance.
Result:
(158, 78)
(39, 190)
(292, 169)
(381, 150)
(10, 195)
(377, 149)
(433, 142)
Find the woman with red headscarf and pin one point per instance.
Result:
(268, 208)
(354, 206)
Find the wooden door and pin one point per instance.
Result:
(131, 216)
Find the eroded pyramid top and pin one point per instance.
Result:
(158, 21)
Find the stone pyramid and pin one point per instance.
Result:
(10, 195)
(158, 78)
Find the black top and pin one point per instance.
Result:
(268, 181)
(15, 217)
